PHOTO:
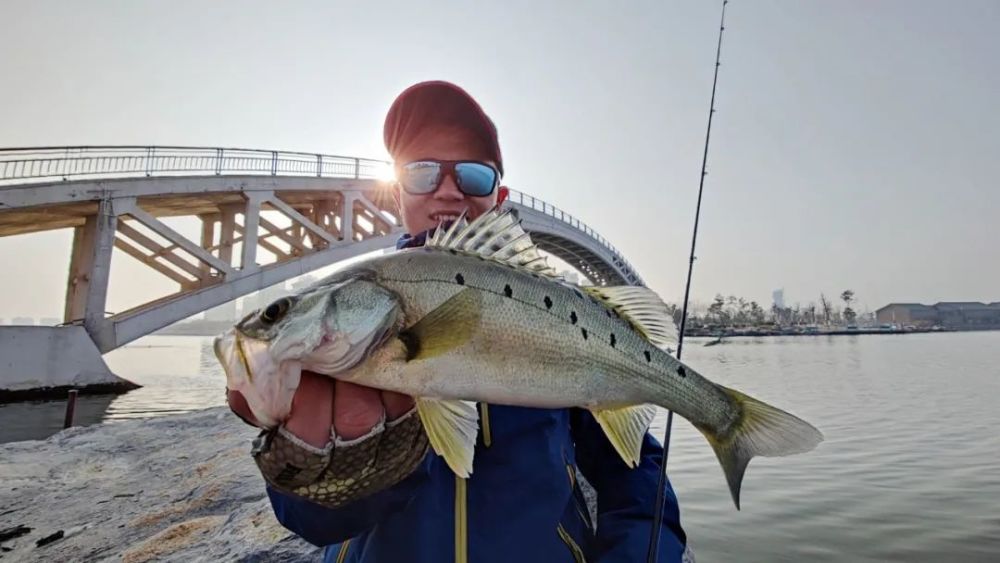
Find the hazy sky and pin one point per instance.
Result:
(855, 145)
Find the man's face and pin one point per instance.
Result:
(423, 212)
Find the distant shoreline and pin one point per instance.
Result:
(837, 332)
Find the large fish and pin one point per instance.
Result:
(477, 315)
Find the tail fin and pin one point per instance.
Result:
(760, 430)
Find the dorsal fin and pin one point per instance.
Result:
(643, 307)
(494, 235)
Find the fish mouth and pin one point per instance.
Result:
(267, 385)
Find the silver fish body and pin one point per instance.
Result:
(477, 316)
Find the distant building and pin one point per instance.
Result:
(23, 321)
(957, 315)
(778, 296)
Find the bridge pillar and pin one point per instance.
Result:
(89, 270)
(39, 362)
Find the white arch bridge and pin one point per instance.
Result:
(266, 216)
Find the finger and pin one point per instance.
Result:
(312, 410)
(396, 404)
(238, 404)
(356, 410)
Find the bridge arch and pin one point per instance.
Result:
(334, 208)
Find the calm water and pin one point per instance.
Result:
(909, 471)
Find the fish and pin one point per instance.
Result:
(478, 315)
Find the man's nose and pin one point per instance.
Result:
(448, 189)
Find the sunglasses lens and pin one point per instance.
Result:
(475, 179)
(420, 177)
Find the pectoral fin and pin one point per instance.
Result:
(445, 328)
(451, 427)
(625, 428)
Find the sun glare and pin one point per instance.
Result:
(385, 173)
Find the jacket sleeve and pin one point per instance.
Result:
(626, 496)
(322, 526)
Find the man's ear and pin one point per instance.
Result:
(502, 193)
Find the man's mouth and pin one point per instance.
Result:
(445, 216)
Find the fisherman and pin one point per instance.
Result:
(524, 501)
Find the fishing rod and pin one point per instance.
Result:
(654, 535)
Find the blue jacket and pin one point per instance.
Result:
(522, 502)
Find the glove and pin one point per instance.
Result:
(345, 470)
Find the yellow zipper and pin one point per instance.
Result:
(343, 551)
(461, 531)
(573, 547)
(484, 415)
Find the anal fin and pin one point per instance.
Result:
(451, 427)
(625, 428)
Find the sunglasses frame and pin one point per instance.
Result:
(449, 167)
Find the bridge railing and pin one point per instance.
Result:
(556, 213)
(37, 164)
(48, 163)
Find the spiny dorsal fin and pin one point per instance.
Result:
(643, 307)
(494, 235)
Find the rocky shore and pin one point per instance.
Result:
(177, 488)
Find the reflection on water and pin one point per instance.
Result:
(177, 374)
(908, 471)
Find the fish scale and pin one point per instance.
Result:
(477, 315)
(626, 359)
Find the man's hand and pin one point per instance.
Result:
(321, 402)
(361, 455)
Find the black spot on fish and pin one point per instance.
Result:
(648, 357)
(452, 251)
(578, 294)
(572, 317)
(615, 313)
(584, 331)
(508, 291)
(459, 279)
(682, 371)
(608, 312)
(613, 340)
(548, 302)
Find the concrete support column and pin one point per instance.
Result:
(347, 218)
(227, 232)
(90, 267)
(251, 224)
(207, 240)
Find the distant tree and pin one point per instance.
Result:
(717, 310)
(756, 313)
(810, 312)
(849, 315)
(848, 297)
(826, 307)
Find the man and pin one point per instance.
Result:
(522, 502)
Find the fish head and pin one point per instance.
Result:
(327, 329)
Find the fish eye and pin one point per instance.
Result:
(275, 311)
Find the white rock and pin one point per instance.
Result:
(176, 488)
